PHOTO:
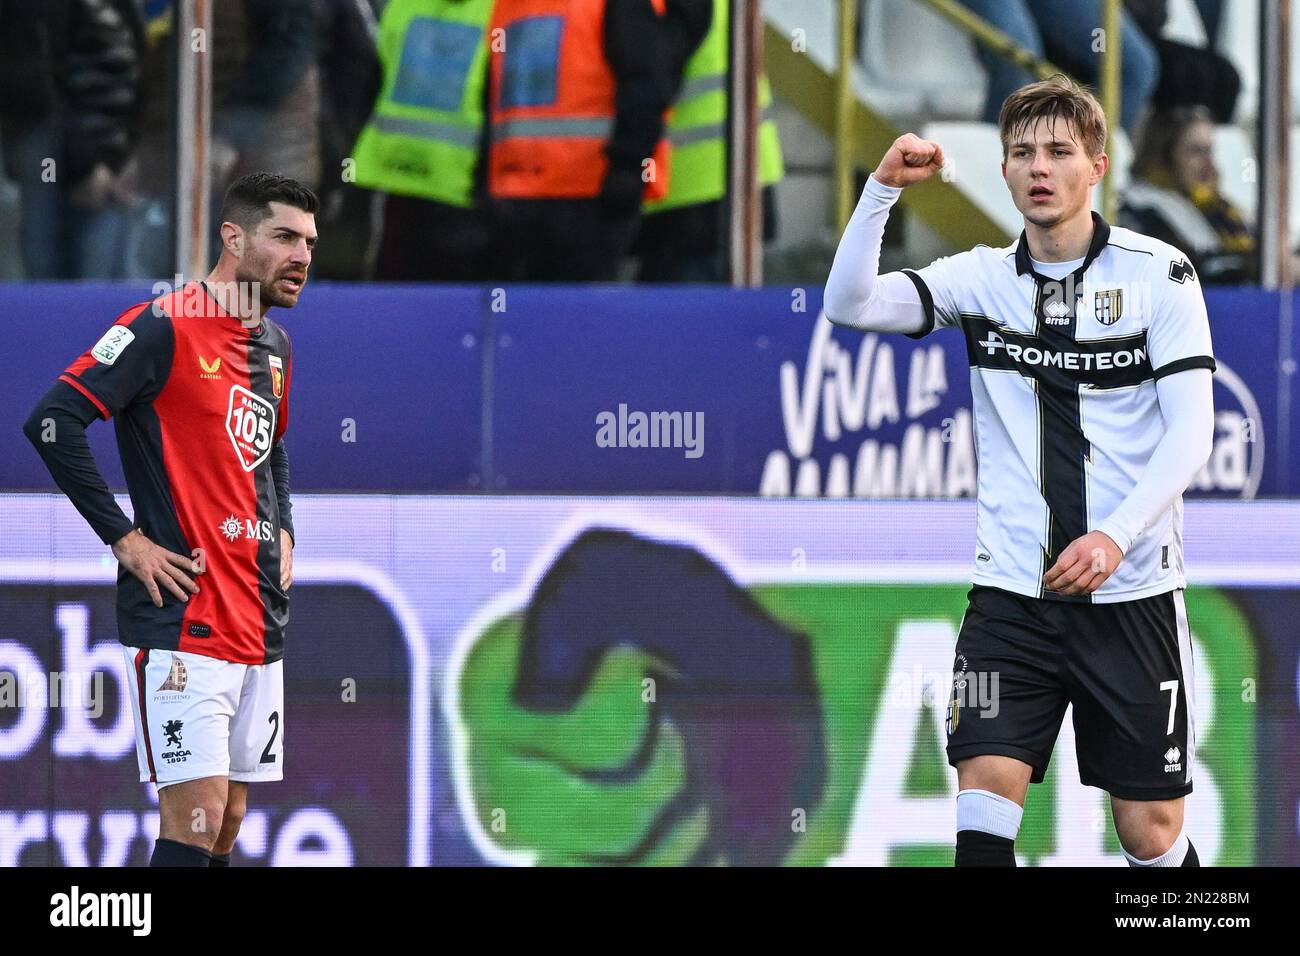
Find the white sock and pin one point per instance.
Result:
(989, 813)
(1173, 856)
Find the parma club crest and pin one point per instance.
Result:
(1108, 306)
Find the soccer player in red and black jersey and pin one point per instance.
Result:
(197, 382)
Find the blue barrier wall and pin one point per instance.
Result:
(424, 388)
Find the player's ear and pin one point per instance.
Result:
(1100, 166)
(232, 238)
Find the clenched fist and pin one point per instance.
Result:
(909, 160)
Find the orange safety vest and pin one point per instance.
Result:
(552, 102)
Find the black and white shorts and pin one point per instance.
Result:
(1126, 667)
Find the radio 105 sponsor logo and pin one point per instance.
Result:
(250, 423)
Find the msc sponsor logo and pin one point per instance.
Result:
(1087, 361)
(234, 528)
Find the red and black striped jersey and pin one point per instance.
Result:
(200, 404)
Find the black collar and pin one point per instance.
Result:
(1100, 236)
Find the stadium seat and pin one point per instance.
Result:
(974, 152)
(1184, 23)
(1239, 42)
(818, 21)
(906, 46)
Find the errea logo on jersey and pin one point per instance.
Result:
(234, 528)
(1057, 312)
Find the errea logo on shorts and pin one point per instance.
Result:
(1173, 756)
(112, 344)
(235, 528)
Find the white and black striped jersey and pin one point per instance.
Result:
(1066, 414)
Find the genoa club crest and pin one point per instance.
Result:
(277, 376)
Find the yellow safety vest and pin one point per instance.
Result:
(423, 137)
(697, 129)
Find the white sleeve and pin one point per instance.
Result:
(913, 301)
(1178, 333)
(856, 296)
(1187, 407)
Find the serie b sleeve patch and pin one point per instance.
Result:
(112, 344)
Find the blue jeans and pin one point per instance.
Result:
(1071, 23)
(59, 240)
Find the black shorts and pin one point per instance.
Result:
(1126, 668)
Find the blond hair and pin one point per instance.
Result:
(1057, 97)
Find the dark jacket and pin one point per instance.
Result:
(646, 53)
(76, 62)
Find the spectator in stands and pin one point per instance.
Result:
(266, 107)
(70, 89)
(1189, 75)
(681, 234)
(424, 142)
(576, 107)
(1174, 195)
(1063, 30)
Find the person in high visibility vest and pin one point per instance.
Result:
(424, 143)
(681, 236)
(577, 97)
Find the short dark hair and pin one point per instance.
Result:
(248, 200)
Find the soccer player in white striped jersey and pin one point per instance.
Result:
(1091, 380)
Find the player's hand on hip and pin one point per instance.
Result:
(286, 560)
(909, 160)
(156, 567)
(1085, 565)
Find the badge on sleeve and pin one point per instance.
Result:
(113, 343)
(277, 376)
